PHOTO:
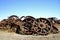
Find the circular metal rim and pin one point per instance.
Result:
(27, 32)
(50, 27)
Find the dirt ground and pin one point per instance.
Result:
(4, 35)
(13, 36)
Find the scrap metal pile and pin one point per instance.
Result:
(28, 25)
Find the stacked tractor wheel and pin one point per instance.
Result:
(11, 23)
(44, 26)
(41, 26)
(3, 24)
(29, 25)
(54, 23)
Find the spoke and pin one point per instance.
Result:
(48, 27)
(46, 24)
(40, 20)
(46, 30)
(39, 30)
(43, 31)
(45, 21)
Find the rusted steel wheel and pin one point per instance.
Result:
(55, 24)
(44, 26)
(28, 24)
(18, 24)
(23, 27)
(11, 22)
(26, 29)
(3, 24)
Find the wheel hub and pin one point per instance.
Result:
(42, 25)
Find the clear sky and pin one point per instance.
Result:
(35, 8)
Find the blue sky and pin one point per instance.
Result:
(35, 8)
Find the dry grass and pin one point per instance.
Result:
(4, 35)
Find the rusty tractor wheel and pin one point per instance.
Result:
(23, 27)
(26, 29)
(44, 26)
(3, 24)
(18, 24)
(28, 24)
(55, 23)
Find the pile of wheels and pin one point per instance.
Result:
(29, 25)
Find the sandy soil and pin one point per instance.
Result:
(13, 36)
(4, 35)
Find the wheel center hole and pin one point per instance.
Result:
(41, 25)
